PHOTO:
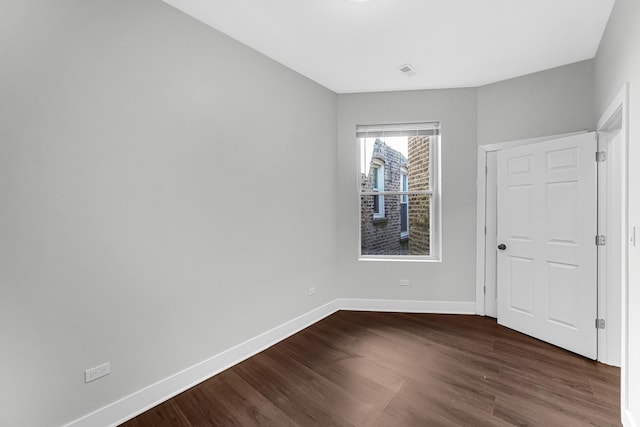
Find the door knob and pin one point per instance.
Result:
(502, 246)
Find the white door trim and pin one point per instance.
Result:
(617, 115)
(483, 211)
(618, 110)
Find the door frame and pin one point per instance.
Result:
(486, 213)
(616, 117)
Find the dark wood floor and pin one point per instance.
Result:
(388, 369)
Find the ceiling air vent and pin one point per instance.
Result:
(407, 70)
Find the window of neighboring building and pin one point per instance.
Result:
(404, 204)
(378, 187)
(399, 191)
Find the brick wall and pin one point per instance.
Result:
(382, 236)
(419, 215)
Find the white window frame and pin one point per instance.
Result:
(404, 179)
(379, 178)
(434, 193)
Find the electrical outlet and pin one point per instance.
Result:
(312, 291)
(97, 372)
(404, 282)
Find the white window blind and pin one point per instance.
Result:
(398, 129)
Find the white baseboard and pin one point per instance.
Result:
(408, 306)
(142, 400)
(145, 399)
(628, 420)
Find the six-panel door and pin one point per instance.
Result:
(547, 221)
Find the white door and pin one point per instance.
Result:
(546, 208)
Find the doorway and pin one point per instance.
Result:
(610, 207)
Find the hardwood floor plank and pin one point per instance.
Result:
(449, 402)
(606, 392)
(399, 369)
(554, 397)
(203, 408)
(528, 413)
(299, 393)
(400, 413)
(166, 414)
(245, 403)
(349, 381)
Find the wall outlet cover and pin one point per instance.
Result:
(100, 371)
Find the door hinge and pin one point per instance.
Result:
(601, 156)
(600, 324)
(600, 240)
(485, 289)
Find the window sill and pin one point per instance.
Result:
(398, 258)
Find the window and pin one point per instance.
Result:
(404, 204)
(378, 186)
(399, 191)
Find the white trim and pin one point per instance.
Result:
(497, 146)
(379, 178)
(435, 202)
(398, 258)
(481, 206)
(377, 162)
(619, 109)
(481, 190)
(628, 420)
(404, 200)
(142, 400)
(491, 238)
(435, 163)
(409, 128)
(396, 193)
(408, 306)
(148, 397)
(611, 223)
(621, 100)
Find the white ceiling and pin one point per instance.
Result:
(357, 46)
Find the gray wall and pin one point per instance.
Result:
(617, 62)
(545, 103)
(453, 278)
(549, 102)
(145, 161)
(152, 208)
